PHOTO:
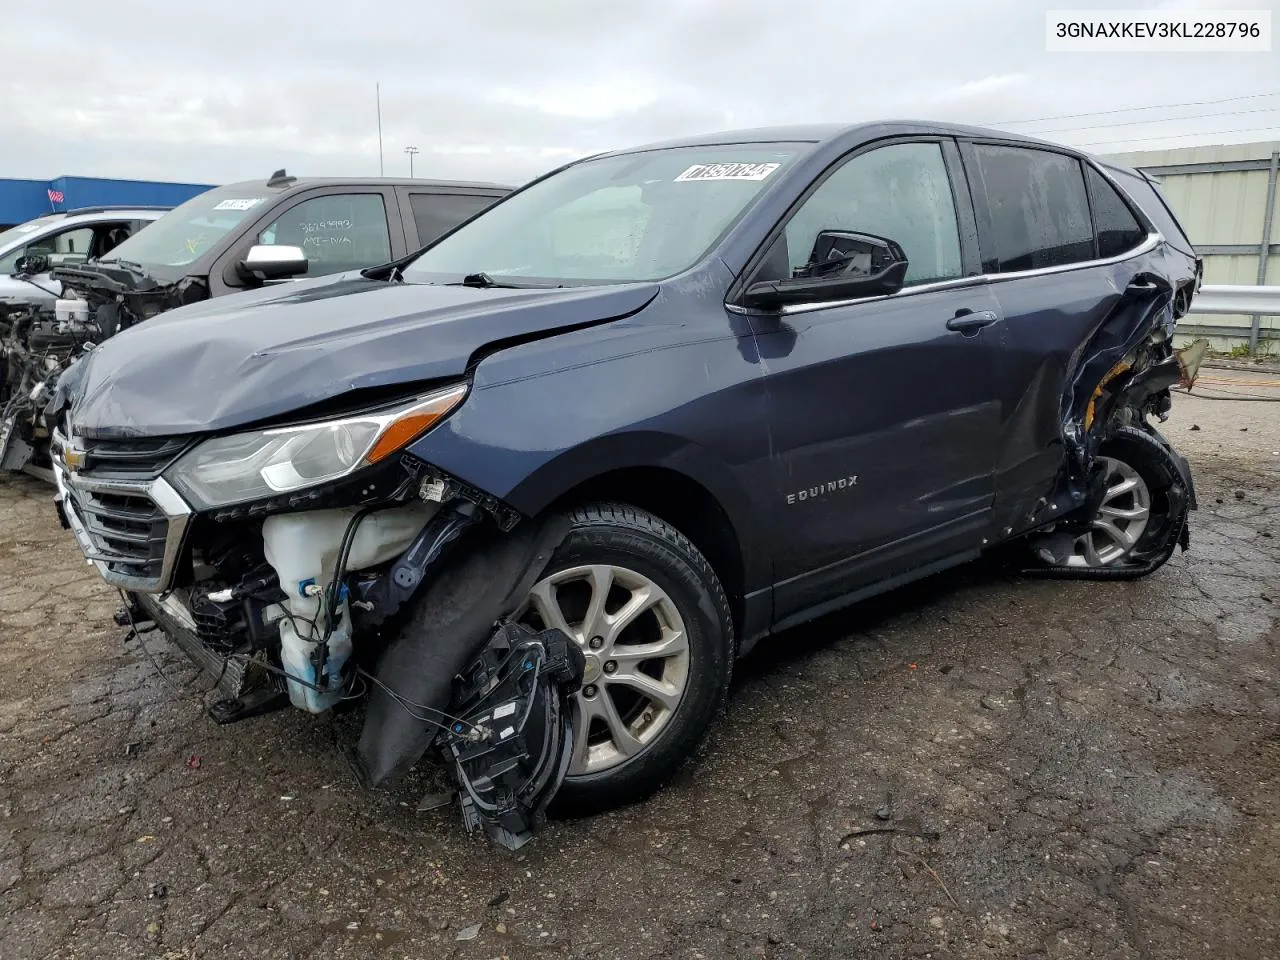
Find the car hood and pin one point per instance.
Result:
(236, 360)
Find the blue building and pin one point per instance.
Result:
(22, 200)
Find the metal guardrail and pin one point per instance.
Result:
(1228, 299)
(1244, 301)
(1224, 299)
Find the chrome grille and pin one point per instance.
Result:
(127, 527)
(142, 459)
(127, 519)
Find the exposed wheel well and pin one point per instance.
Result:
(687, 506)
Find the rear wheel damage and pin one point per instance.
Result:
(1134, 517)
(1120, 519)
(1123, 494)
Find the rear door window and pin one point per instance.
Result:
(1037, 209)
(1118, 229)
(346, 231)
(435, 214)
(1151, 201)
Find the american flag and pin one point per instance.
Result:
(56, 196)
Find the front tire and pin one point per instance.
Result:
(654, 623)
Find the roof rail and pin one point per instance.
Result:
(109, 208)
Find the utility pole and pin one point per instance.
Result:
(377, 90)
(411, 151)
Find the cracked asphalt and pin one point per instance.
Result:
(976, 766)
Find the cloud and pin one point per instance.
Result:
(502, 90)
(984, 86)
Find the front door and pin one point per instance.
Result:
(884, 413)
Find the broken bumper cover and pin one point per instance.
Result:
(235, 676)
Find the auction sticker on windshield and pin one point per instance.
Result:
(246, 204)
(728, 171)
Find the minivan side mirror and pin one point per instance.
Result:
(841, 266)
(30, 265)
(266, 262)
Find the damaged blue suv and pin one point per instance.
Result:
(531, 491)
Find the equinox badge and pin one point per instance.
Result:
(831, 486)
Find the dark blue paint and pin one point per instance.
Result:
(953, 435)
(226, 362)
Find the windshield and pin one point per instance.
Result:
(185, 233)
(24, 231)
(638, 216)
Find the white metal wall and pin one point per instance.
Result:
(1220, 195)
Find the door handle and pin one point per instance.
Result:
(969, 322)
(1141, 285)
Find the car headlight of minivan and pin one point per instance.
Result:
(247, 466)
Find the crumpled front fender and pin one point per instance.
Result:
(485, 580)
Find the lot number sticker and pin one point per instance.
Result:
(728, 171)
(246, 204)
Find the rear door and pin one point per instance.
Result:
(429, 214)
(1061, 283)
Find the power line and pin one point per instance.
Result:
(1155, 106)
(1136, 121)
(1173, 136)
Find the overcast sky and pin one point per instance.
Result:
(207, 92)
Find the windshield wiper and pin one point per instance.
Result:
(129, 265)
(484, 281)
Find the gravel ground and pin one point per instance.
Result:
(976, 766)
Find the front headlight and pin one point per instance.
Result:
(262, 463)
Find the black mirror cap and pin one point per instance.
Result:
(30, 265)
(842, 266)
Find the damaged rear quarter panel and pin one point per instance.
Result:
(1051, 358)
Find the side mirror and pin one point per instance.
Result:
(842, 266)
(30, 265)
(266, 262)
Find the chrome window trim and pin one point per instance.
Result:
(1153, 240)
(176, 512)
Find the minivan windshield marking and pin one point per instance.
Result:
(184, 233)
(618, 219)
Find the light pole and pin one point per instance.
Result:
(411, 151)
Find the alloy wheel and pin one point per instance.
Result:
(1120, 521)
(637, 658)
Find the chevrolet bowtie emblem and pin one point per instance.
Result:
(73, 456)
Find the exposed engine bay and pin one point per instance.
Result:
(272, 606)
(117, 295)
(37, 344)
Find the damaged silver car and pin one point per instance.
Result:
(532, 491)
